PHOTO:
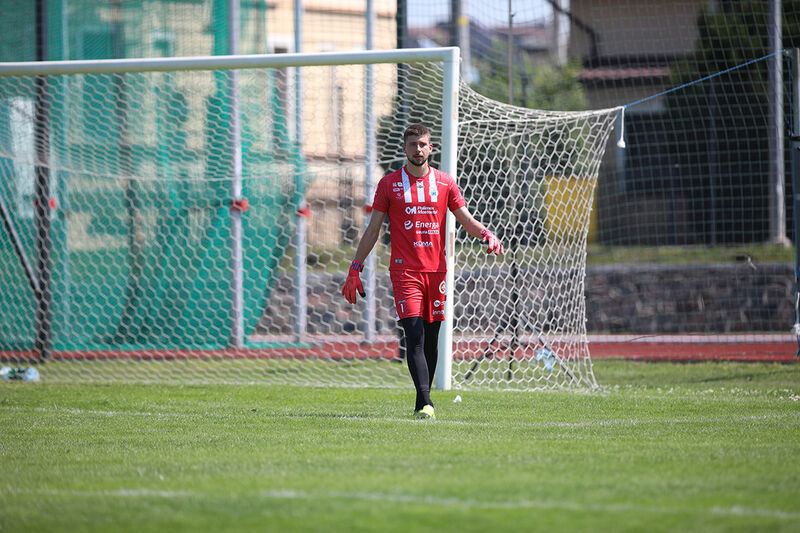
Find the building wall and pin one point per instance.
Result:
(657, 27)
(333, 105)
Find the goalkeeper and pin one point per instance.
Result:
(416, 198)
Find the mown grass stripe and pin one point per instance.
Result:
(410, 420)
(400, 498)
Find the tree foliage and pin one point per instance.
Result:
(536, 85)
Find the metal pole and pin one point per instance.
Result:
(515, 237)
(796, 188)
(777, 218)
(455, 14)
(19, 249)
(131, 192)
(44, 242)
(560, 32)
(444, 367)
(371, 153)
(713, 150)
(301, 234)
(402, 68)
(510, 55)
(460, 36)
(796, 140)
(168, 64)
(237, 271)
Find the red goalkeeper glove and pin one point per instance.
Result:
(353, 283)
(494, 243)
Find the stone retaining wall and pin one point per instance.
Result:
(723, 298)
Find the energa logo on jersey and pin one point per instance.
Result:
(408, 224)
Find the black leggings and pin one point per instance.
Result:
(422, 352)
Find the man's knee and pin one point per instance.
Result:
(414, 329)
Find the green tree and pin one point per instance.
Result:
(536, 85)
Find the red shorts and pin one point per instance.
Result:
(419, 294)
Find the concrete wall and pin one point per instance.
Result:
(644, 299)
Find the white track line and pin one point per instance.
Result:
(400, 498)
(327, 416)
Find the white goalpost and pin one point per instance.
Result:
(179, 186)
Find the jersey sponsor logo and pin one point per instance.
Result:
(442, 287)
(438, 311)
(398, 261)
(426, 228)
(408, 224)
(423, 244)
(432, 186)
(426, 225)
(421, 210)
(437, 303)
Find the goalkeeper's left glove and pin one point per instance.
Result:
(494, 243)
(353, 283)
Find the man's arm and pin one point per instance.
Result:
(353, 282)
(466, 219)
(476, 229)
(370, 236)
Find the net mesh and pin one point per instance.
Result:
(520, 320)
(140, 180)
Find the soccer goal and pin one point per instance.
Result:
(193, 219)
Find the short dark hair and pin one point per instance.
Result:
(416, 130)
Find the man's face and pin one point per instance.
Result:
(418, 149)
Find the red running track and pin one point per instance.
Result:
(688, 348)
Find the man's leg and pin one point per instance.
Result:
(431, 336)
(416, 355)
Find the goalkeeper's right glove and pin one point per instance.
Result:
(353, 282)
(494, 243)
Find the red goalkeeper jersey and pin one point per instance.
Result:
(417, 208)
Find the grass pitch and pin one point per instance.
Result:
(665, 447)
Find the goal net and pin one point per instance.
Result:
(192, 220)
(531, 176)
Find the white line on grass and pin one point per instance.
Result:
(400, 498)
(589, 423)
(440, 421)
(82, 411)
